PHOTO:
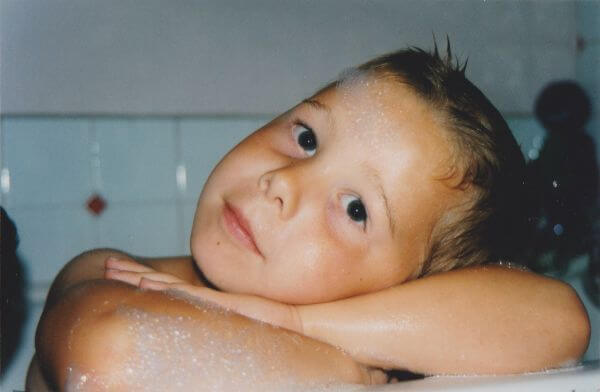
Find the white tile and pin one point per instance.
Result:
(143, 229)
(487, 74)
(588, 71)
(48, 160)
(588, 19)
(14, 379)
(543, 25)
(49, 238)
(137, 159)
(205, 142)
(588, 75)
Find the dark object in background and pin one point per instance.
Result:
(591, 281)
(13, 304)
(564, 179)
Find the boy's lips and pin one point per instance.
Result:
(237, 225)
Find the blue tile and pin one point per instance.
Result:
(143, 229)
(50, 237)
(48, 160)
(137, 159)
(205, 142)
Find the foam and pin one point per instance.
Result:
(174, 353)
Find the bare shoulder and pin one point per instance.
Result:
(86, 266)
(89, 265)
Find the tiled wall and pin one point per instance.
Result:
(149, 171)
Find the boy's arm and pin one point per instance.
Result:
(113, 335)
(93, 327)
(484, 320)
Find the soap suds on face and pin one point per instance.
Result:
(363, 96)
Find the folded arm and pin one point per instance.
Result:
(484, 320)
(115, 336)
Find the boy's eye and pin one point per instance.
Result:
(355, 208)
(306, 139)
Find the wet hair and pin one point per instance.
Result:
(487, 162)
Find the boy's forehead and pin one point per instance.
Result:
(364, 102)
(361, 92)
(385, 114)
(354, 77)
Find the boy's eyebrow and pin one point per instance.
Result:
(377, 180)
(317, 105)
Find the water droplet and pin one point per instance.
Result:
(533, 154)
(558, 229)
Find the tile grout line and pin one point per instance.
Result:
(4, 173)
(95, 171)
(181, 183)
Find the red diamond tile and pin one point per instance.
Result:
(96, 204)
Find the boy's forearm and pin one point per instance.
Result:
(113, 334)
(481, 320)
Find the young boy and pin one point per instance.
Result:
(321, 222)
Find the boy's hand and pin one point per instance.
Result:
(132, 272)
(258, 308)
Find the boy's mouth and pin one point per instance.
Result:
(239, 228)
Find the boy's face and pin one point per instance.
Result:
(335, 198)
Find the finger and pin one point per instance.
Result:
(161, 277)
(125, 264)
(200, 292)
(149, 284)
(134, 278)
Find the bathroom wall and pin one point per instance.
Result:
(132, 103)
(118, 56)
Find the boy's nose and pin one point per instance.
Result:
(280, 187)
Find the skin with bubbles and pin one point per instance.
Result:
(171, 353)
